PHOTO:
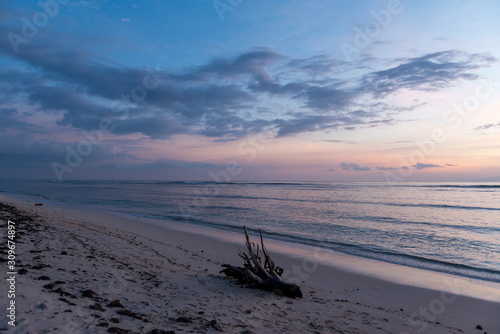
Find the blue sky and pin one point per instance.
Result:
(287, 90)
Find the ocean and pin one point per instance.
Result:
(446, 227)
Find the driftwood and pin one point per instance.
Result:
(254, 274)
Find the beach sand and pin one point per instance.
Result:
(89, 272)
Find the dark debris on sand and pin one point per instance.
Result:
(115, 303)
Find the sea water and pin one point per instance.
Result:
(446, 227)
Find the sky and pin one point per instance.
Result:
(238, 90)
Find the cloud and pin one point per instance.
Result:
(302, 122)
(487, 126)
(330, 170)
(327, 98)
(252, 63)
(390, 168)
(340, 141)
(223, 98)
(25, 152)
(316, 65)
(354, 167)
(420, 165)
(429, 72)
(11, 120)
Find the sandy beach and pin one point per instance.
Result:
(89, 272)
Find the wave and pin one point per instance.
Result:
(478, 186)
(315, 185)
(308, 184)
(242, 183)
(33, 195)
(442, 206)
(398, 221)
(373, 252)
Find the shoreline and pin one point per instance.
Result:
(385, 271)
(336, 297)
(440, 260)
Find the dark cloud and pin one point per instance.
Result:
(10, 120)
(221, 99)
(433, 71)
(339, 141)
(77, 110)
(317, 65)
(330, 170)
(390, 168)
(155, 127)
(487, 126)
(420, 165)
(303, 122)
(354, 167)
(22, 155)
(328, 98)
(310, 123)
(252, 63)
